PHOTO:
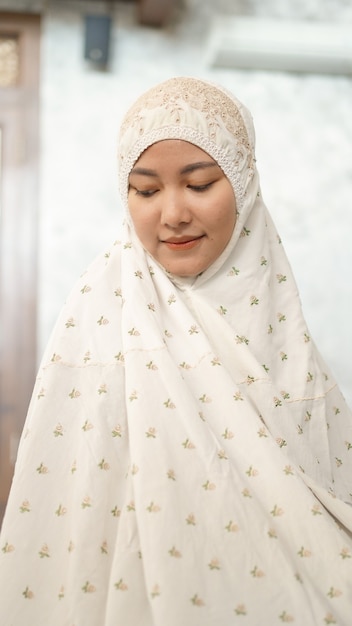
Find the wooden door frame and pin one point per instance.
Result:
(19, 119)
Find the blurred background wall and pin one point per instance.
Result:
(304, 146)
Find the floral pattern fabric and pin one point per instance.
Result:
(187, 456)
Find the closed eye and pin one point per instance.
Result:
(145, 193)
(200, 188)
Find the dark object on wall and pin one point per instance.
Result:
(155, 12)
(97, 39)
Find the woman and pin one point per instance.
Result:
(187, 455)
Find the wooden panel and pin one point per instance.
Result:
(18, 238)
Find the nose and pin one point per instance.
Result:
(175, 210)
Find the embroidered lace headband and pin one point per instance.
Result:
(196, 111)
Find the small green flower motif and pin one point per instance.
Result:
(151, 366)
(134, 332)
(74, 394)
(131, 506)
(215, 361)
(263, 260)
(348, 445)
(306, 338)
(104, 547)
(117, 431)
(188, 445)
(197, 601)
(270, 329)
(175, 553)
(252, 472)
(277, 402)
(246, 493)
(245, 232)
(214, 564)
(231, 527)
(168, 334)
(288, 470)
(87, 426)
(304, 553)
(237, 396)
(191, 520)
(277, 511)
(70, 323)
(222, 310)
(86, 357)
(155, 592)
(42, 469)
(209, 486)
(86, 502)
(316, 509)
(8, 547)
(86, 289)
(133, 395)
(253, 300)
(102, 321)
(299, 429)
(338, 462)
(25, 507)
(151, 307)
(153, 508)
(120, 357)
(227, 434)
(222, 455)
(256, 572)
(272, 533)
(193, 330)
(171, 474)
(233, 271)
(345, 553)
(44, 552)
(281, 278)
(61, 593)
(242, 339)
(283, 356)
(127, 245)
(262, 432)
(205, 399)
(88, 588)
(28, 594)
(59, 431)
(250, 379)
(41, 393)
(151, 270)
(55, 358)
(138, 274)
(169, 404)
(336, 410)
(118, 292)
(104, 465)
(185, 366)
(151, 433)
(265, 367)
(115, 512)
(286, 617)
(281, 317)
(60, 511)
(171, 299)
(281, 442)
(102, 389)
(240, 609)
(309, 377)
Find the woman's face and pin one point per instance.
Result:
(182, 206)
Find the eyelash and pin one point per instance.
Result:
(149, 193)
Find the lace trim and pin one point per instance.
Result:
(193, 136)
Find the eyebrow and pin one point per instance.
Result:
(191, 167)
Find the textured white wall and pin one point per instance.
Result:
(304, 150)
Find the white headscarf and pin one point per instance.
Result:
(187, 455)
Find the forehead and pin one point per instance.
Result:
(172, 152)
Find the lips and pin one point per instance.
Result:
(182, 243)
